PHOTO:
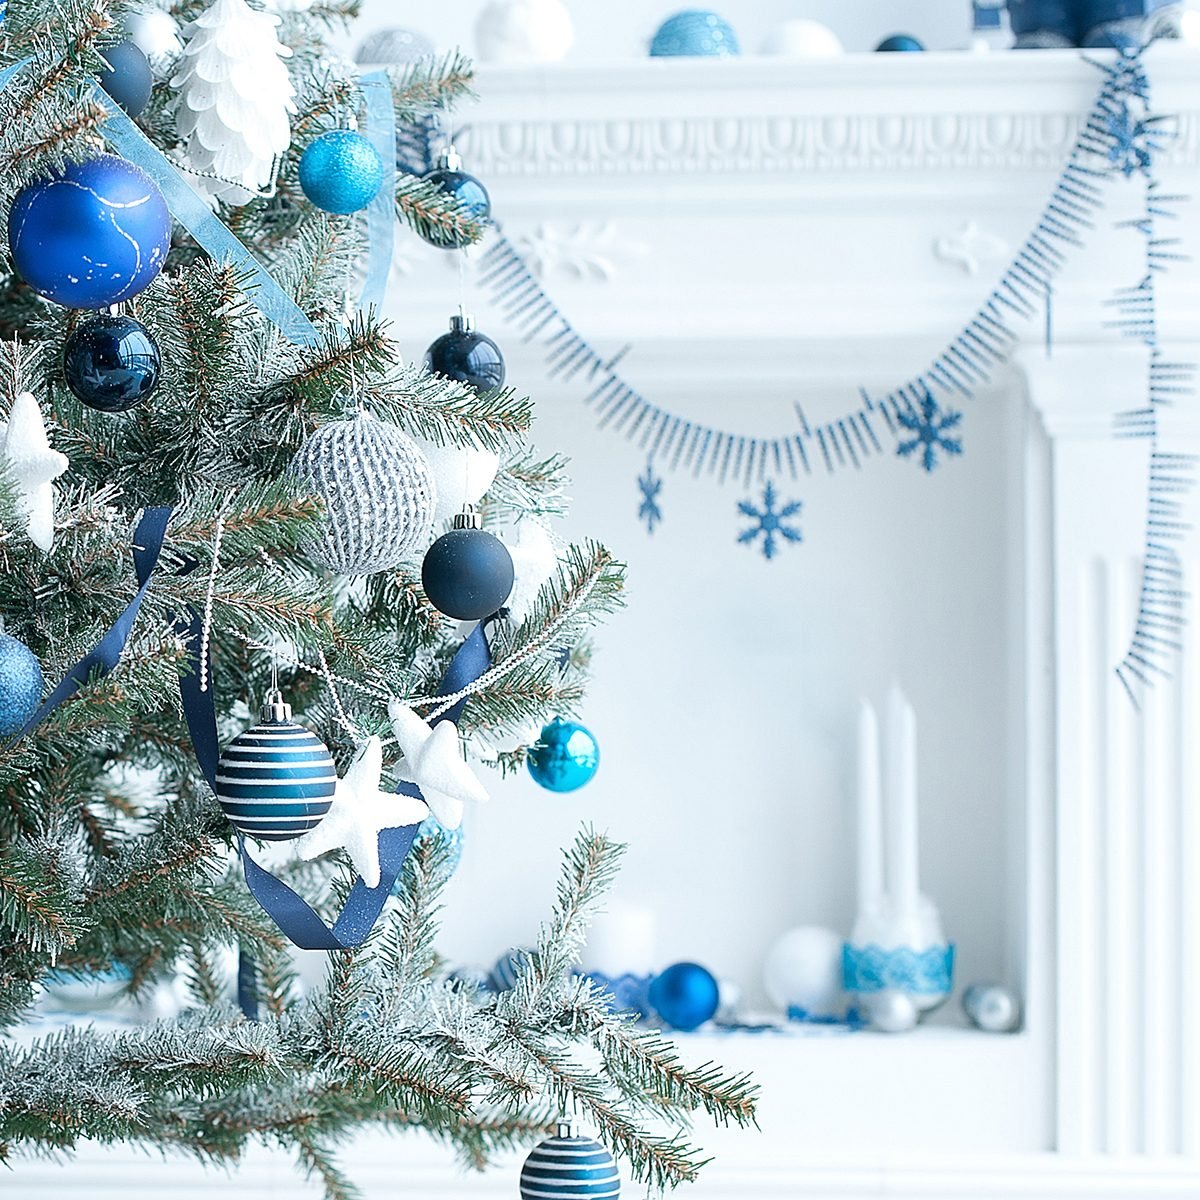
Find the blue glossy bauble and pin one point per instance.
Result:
(570, 1168)
(128, 80)
(694, 33)
(472, 198)
(564, 757)
(91, 236)
(685, 996)
(21, 684)
(467, 574)
(468, 356)
(902, 43)
(341, 172)
(452, 839)
(111, 363)
(276, 781)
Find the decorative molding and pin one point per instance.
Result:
(588, 251)
(969, 248)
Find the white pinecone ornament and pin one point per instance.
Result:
(235, 97)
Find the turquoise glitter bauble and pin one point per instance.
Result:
(565, 1167)
(21, 684)
(695, 33)
(564, 757)
(341, 172)
(276, 781)
(92, 235)
(685, 996)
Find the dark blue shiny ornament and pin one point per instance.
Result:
(564, 757)
(903, 43)
(694, 33)
(467, 573)
(90, 236)
(111, 363)
(566, 1167)
(685, 996)
(21, 684)
(468, 356)
(128, 80)
(472, 197)
(341, 172)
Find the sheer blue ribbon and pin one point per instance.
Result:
(381, 215)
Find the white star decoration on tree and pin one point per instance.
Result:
(434, 762)
(25, 450)
(358, 813)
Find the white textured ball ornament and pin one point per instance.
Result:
(524, 31)
(992, 1007)
(461, 475)
(156, 34)
(378, 492)
(804, 971)
(801, 38)
(890, 1011)
(535, 560)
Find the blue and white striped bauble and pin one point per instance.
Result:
(276, 781)
(570, 1168)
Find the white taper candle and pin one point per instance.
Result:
(870, 811)
(903, 865)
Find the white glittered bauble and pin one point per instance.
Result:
(378, 492)
(800, 38)
(390, 47)
(534, 559)
(524, 31)
(461, 474)
(156, 34)
(804, 971)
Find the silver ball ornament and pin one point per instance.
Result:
(992, 1007)
(889, 1011)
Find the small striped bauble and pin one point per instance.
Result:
(276, 781)
(566, 1167)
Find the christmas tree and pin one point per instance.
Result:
(152, 503)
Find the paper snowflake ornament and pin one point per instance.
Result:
(26, 452)
(360, 810)
(235, 97)
(434, 762)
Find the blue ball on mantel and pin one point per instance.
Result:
(21, 684)
(568, 1167)
(685, 995)
(341, 172)
(900, 43)
(565, 756)
(111, 363)
(694, 33)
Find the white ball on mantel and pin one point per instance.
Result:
(524, 31)
(461, 475)
(801, 38)
(804, 970)
(535, 560)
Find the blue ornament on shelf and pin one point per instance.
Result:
(503, 977)
(453, 839)
(128, 79)
(564, 757)
(276, 781)
(111, 363)
(21, 684)
(685, 996)
(694, 33)
(341, 172)
(472, 197)
(92, 235)
(899, 43)
(467, 573)
(626, 993)
(567, 1167)
(467, 355)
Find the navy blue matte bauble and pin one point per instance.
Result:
(566, 1167)
(111, 363)
(471, 195)
(341, 172)
(467, 574)
(21, 684)
(128, 80)
(92, 235)
(468, 356)
(685, 996)
(564, 757)
(903, 43)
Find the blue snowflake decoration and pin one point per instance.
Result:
(769, 522)
(930, 428)
(1132, 142)
(650, 486)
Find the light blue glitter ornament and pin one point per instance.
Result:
(21, 684)
(91, 236)
(564, 757)
(685, 995)
(566, 1167)
(341, 171)
(452, 839)
(694, 33)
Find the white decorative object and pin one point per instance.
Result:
(903, 854)
(461, 475)
(378, 492)
(156, 34)
(33, 466)
(235, 97)
(890, 1011)
(359, 811)
(970, 247)
(870, 812)
(804, 971)
(802, 38)
(730, 1004)
(392, 47)
(433, 761)
(586, 251)
(524, 31)
(535, 561)
(621, 941)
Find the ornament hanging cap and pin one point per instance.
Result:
(275, 710)
(566, 1127)
(462, 322)
(449, 159)
(468, 518)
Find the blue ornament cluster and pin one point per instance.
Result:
(567, 1167)
(466, 355)
(111, 363)
(341, 172)
(694, 33)
(685, 996)
(21, 684)
(565, 756)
